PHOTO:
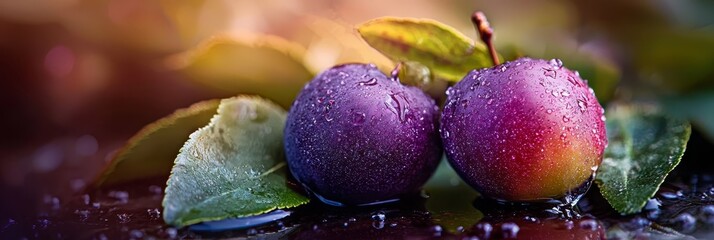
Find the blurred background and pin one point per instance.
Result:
(79, 77)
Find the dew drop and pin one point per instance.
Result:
(122, 196)
(510, 230)
(588, 224)
(370, 82)
(565, 93)
(379, 216)
(707, 213)
(555, 93)
(83, 214)
(572, 80)
(582, 105)
(484, 229)
(123, 217)
(556, 63)
(136, 234)
(685, 222)
(566, 119)
(550, 73)
(358, 118)
(397, 104)
(154, 213)
(503, 68)
(549, 111)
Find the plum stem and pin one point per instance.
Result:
(486, 33)
(395, 72)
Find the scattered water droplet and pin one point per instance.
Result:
(83, 214)
(707, 213)
(136, 234)
(483, 230)
(370, 82)
(358, 118)
(555, 93)
(566, 119)
(588, 224)
(530, 219)
(379, 216)
(582, 105)
(685, 222)
(572, 80)
(549, 111)
(503, 68)
(556, 63)
(378, 224)
(122, 196)
(398, 104)
(510, 230)
(154, 213)
(171, 232)
(550, 73)
(123, 217)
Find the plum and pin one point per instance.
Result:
(356, 137)
(527, 130)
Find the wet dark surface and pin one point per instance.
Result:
(683, 208)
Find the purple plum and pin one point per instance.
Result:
(526, 130)
(357, 137)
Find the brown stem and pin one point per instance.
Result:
(486, 32)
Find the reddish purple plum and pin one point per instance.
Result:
(356, 137)
(526, 130)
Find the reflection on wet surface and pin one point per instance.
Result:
(134, 211)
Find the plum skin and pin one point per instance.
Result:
(526, 130)
(353, 136)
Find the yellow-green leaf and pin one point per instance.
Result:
(151, 151)
(266, 65)
(233, 167)
(448, 53)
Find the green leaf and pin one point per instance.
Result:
(233, 167)
(450, 199)
(644, 146)
(448, 53)
(247, 66)
(151, 151)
